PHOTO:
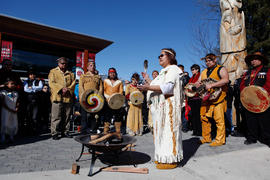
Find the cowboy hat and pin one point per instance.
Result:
(256, 55)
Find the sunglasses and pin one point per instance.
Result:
(160, 56)
(209, 60)
(63, 63)
(193, 69)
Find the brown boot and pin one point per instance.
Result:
(106, 127)
(202, 141)
(166, 165)
(117, 126)
(213, 144)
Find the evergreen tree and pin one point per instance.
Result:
(257, 14)
(257, 22)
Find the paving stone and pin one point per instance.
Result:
(42, 153)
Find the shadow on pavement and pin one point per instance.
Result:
(190, 146)
(26, 140)
(125, 158)
(121, 159)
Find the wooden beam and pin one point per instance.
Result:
(43, 41)
(85, 61)
(31, 30)
(127, 170)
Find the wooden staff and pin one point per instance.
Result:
(127, 169)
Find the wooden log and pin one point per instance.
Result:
(106, 136)
(129, 147)
(127, 170)
(75, 168)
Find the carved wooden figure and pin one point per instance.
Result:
(233, 38)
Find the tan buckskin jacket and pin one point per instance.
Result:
(89, 81)
(59, 80)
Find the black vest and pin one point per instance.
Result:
(260, 78)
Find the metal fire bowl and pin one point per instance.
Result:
(103, 147)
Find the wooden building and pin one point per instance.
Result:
(39, 46)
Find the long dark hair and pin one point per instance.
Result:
(136, 76)
(116, 75)
(171, 54)
(195, 66)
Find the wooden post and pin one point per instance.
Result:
(75, 168)
(85, 61)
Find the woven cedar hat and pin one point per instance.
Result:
(256, 55)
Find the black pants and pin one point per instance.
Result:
(194, 116)
(32, 112)
(258, 126)
(88, 121)
(115, 114)
(241, 124)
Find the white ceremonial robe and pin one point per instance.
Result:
(166, 115)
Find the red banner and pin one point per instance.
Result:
(80, 62)
(92, 56)
(6, 52)
(80, 58)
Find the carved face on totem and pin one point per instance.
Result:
(230, 5)
(236, 3)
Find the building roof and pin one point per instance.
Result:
(34, 35)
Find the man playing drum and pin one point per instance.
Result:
(258, 78)
(213, 108)
(89, 81)
(113, 92)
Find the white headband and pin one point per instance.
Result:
(168, 51)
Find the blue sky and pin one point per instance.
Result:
(138, 28)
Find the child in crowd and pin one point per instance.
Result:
(9, 101)
(134, 117)
(44, 107)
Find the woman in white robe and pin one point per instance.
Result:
(166, 96)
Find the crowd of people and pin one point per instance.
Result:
(175, 103)
(26, 102)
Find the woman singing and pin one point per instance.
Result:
(166, 96)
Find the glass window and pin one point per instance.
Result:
(42, 63)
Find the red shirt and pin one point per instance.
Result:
(195, 78)
(266, 86)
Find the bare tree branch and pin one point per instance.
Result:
(205, 28)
